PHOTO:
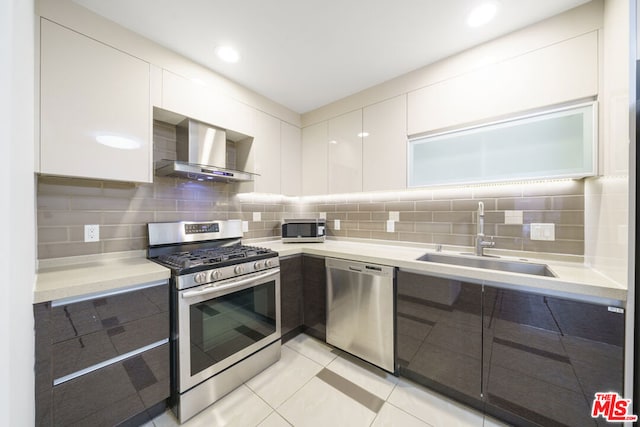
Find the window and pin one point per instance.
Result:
(561, 143)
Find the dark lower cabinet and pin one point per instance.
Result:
(303, 296)
(291, 307)
(439, 333)
(314, 279)
(115, 394)
(547, 357)
(525, 358)
(82, 348)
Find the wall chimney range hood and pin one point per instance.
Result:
(201, 152)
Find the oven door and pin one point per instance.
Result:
(221, 323)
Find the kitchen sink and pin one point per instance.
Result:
(490, 264)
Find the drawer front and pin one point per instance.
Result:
(115, 393)
(79, 353)
(82, 318)
(91, 332)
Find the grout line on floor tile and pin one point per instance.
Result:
(259, 397)
(268, 415)
(292, 394)
(284, 418)
(335, 355)
(408, 413)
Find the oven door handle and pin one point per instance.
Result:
(236, 283)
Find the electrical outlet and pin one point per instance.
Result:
(513, 217)
(391, 226)
(91, 233)
(257, 216)
(543, 231)
(394, 216)
(336, 224)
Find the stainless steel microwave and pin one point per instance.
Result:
(303, 230)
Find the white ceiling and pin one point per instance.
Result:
(307, 53)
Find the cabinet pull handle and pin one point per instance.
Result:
(111, 361)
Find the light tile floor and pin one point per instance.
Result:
(292, 393)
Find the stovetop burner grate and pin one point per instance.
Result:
(211, 256)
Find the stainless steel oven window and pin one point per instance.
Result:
(222, 323)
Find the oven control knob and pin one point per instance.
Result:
(268, 263)
(200, 277)
(239, 269)
(215, 275)
(258, 265)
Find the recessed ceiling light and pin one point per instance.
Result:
(363, 134)
(228, 54)
(482, 14)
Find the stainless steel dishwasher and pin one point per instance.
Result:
(360, 310)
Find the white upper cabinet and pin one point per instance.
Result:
(95, 111)
(315, 139)
(195, 99)
(290, 160)
(275, 154)
(384, 148)
(265, 153)
(345, 153)
(559, 73)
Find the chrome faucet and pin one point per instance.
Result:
(480, 242)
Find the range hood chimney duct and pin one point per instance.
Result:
(201, 144)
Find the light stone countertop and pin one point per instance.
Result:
(574, 279)
(84, 275)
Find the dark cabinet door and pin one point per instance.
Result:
(291, 296)
(546, 357)
(78, 346)
(89, 332)
(439, 333)
(118, 393)
(314, 278)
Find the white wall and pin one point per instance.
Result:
(17, 246)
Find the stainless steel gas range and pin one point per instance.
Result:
(225, 309)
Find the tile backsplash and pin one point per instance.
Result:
(446, 216)
(441, 216)
(122, 210)
(449, 216)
